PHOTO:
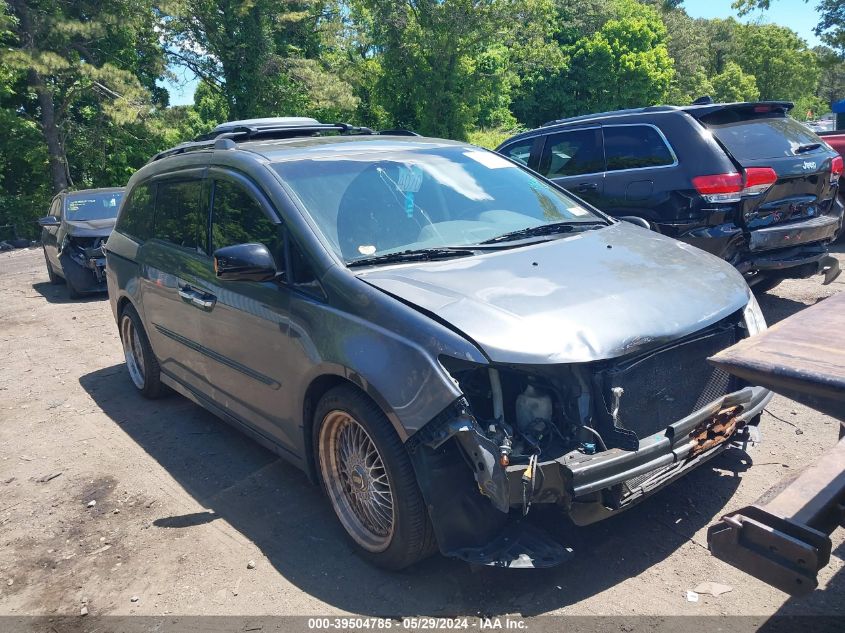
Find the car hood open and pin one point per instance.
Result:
(589, 296)
(90, 228)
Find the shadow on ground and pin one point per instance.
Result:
(776, 308)
(57, 293)
(272, 504)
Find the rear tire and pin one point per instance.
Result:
(767, 284)
(367, 475)
(141, 363)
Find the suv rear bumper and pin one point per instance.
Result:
(790, 250)
(817, 229)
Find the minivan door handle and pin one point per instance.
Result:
(187, 294)
(204, 301)
(587, 186)
(198, 299)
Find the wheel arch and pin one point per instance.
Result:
(317, 388)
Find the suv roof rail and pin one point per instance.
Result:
(596, 115)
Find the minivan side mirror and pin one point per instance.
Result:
(244, 262)
(49, 220)
(632, 219)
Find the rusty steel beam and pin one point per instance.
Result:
(784, 539)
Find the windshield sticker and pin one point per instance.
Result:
(488, 159)
(75, 205)
(578, 211)
(367, 249)
(409, 204)
(410, 180)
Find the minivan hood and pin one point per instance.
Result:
(90, 228)
(590, 296)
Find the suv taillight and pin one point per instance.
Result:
(758, 179)
(732, 186)
(719, 187)
(835, 169)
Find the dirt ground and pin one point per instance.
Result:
(184, 502)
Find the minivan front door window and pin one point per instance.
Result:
(237, 218)
(181, 217)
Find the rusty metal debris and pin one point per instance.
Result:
(785, 541)
(716, 430)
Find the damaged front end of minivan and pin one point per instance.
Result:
(591, 439)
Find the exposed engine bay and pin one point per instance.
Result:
(591, 438)
(86, 252)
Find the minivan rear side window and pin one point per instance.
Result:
(181, 218)
(635, 147)
(768, 137)
(136, 217)
(572, 153)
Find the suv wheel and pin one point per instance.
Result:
(766, 284)
(140, 360)
(368, 477)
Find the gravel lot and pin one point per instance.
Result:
(184, 502)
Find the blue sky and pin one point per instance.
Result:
(798, 15)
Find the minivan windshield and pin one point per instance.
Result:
(396, 200)
(93, 206)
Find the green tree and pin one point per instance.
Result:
(447, 63)
(734, 85)
(780, 61)
(265, 57)
(69, 65)
(689, 48)
(831, 86)
(831, 26)
(625, 64)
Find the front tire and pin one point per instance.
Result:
(51, 275)
(141, 363)
(368, 477)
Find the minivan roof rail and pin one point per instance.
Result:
(243, 131)
(227, 135)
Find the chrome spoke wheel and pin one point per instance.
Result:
(357, 481)
(132, 351)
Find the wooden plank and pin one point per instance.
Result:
(803, 354)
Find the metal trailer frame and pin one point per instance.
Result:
(784, 538)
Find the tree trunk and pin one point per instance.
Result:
(50, 130)
(49, 127)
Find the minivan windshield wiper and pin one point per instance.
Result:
(415, 255)
(809, 147)
(544, 229)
